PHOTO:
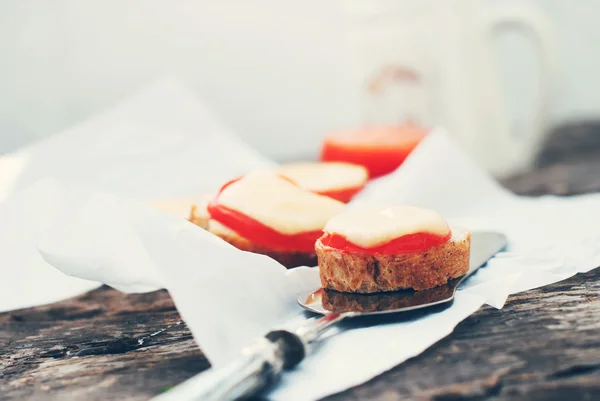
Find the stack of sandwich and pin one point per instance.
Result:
(297, 214)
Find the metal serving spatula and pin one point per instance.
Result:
(262, 364)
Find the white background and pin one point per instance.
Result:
(272, 70)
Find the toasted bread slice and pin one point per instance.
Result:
(178, 207)
(198, 213)
(381, 149)
(263, 212)
(368, 273)
(289, 259)
(191, 209)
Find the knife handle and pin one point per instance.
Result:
(260, 367)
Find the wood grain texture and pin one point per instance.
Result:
(569, 163)
(542, 346)
(102, 345)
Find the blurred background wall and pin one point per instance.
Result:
(269, 69)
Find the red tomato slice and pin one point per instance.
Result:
(379, 149)
(417, 242)
(258, 232)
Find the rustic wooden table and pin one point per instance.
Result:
(542, 346)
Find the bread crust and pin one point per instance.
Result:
(199, 216)
(289, 259)
(369, 273)
(198, 210)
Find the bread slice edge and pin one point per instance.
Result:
(370, 273)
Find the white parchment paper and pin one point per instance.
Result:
(162, 143)
(228, 297)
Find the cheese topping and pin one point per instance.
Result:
(326, 176)
(175, 207)
(184, 207)
(373, 226)
(279, 204)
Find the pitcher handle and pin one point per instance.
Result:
(533, 23)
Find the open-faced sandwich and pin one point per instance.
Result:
(178, 207)
(376, 249)
(198, 213)
(265, 213)
(189, 208)
(381, 149)
(338, 180)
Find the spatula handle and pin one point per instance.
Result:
(259, 367)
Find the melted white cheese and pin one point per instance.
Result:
(175, 207)
(182, 207)
(325, 176)
(373, 226)
(279, 204)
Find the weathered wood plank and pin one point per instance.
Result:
(543, 342)
(101, 345)
(568, 164)
(542, 345)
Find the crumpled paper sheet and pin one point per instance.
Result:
(160, 144)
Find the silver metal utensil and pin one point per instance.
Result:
(262, 364)
(484, 245)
